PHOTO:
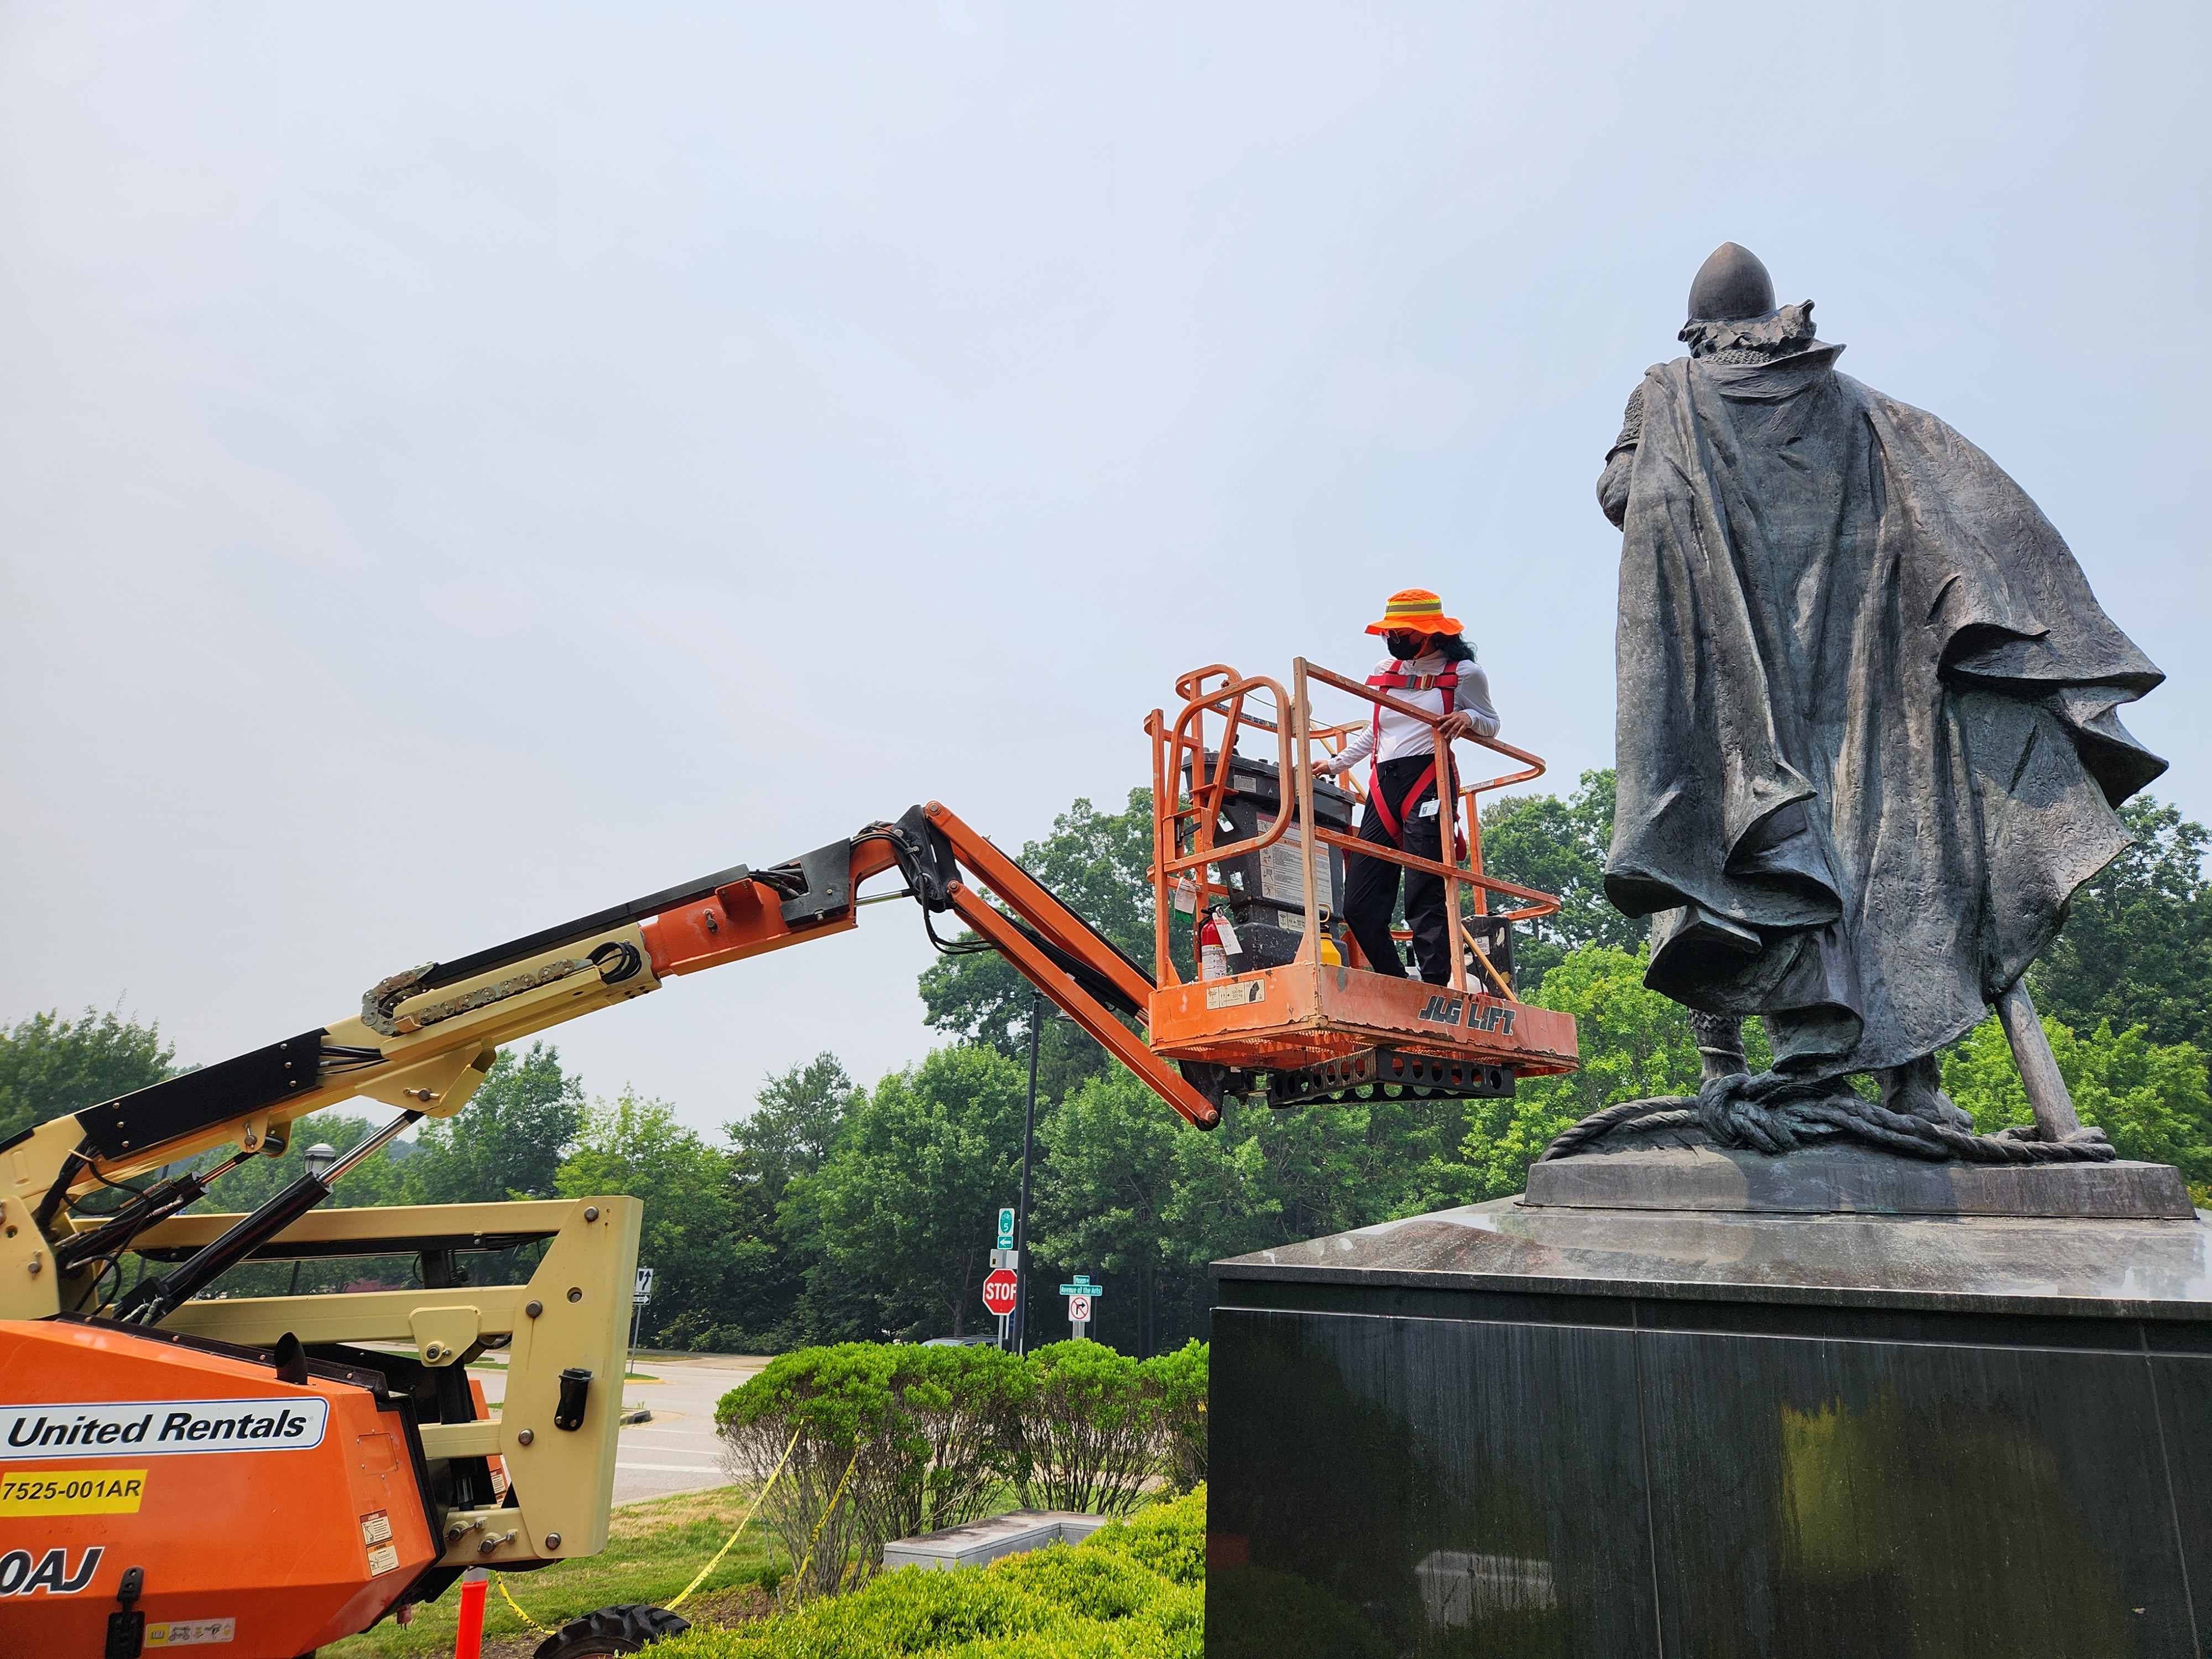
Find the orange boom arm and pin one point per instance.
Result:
(1051, 946)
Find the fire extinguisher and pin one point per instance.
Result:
(1216, 940)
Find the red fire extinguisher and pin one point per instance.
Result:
(1212, 948)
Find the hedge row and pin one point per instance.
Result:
(917, 1438)
(1136, 1588)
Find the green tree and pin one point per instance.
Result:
(1317, 1170)
(1098, 863)
(2137, 949)
(506, 1142)
(777, 1148)
(636, 1147)
(49, 1066)
(1104, 1190)
(831, 1303)
(910, 1195)
(795, 1119)
(1559, 846)
(1634, 1043)
(1152, 1202)
(2149, 1098)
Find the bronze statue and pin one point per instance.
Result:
(1868, 744)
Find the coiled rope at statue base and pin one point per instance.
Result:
(1774, 1114)
(699, 1578)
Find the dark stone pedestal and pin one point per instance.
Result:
(1709, 1432)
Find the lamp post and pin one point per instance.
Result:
(319, 1158)
(1022, 1207)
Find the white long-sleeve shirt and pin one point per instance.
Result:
(1402, 735)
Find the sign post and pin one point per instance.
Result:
(1007, 1266)
(1021, 1238)
(639, 1298)
(998, 1287)
(1079, 1296)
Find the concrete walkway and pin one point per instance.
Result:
(679, 1450)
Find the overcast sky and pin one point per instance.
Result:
(463, 467)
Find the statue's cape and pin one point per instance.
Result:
(1867, 741)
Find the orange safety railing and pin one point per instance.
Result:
(1181, 747)
(1183, 845)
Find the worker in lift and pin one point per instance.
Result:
(1433, 667)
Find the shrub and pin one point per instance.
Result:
(920, 1438)
(1130, 1589)
(1177, 1381)
(1168, 1540)
(1089, 1430)
(821, 1414)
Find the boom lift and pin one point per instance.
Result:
(283, 1471)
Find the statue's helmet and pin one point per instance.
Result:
(1730, 285)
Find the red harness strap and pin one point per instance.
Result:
(1397, 679)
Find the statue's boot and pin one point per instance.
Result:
(1915, 1089)
(1720, 1046)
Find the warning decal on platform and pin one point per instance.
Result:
(1236, 993)
(192, 1632)
(71, 1492)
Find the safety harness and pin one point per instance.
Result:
(1397, 679)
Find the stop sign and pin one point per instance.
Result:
(998, 1291)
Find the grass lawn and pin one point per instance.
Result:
(653, 1549)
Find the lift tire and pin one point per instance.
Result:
(628, 1629)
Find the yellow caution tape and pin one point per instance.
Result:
(749, 1513)
(754, 1510)
(799, 1577)
(517, 1605)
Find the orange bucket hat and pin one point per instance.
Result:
(1415, 611)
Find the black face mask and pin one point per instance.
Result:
(1403, 645)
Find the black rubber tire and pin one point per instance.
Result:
(612, 1629)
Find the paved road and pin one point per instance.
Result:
(679, 1450)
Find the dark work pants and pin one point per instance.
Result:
(1370, 885)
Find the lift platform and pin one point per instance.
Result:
(1266, 840)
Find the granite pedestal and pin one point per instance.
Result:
(1708, 1406)
(981, 1542)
